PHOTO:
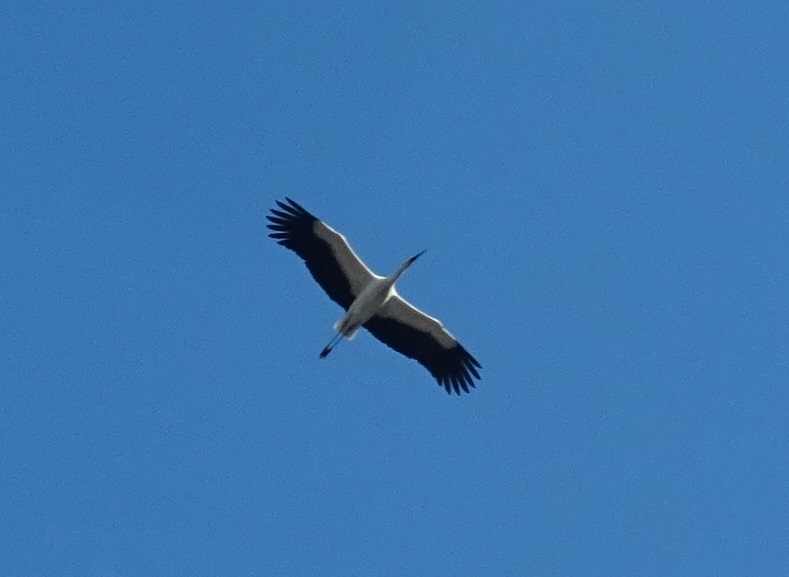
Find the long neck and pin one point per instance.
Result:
(401, 270)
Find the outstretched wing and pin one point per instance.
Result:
(409, 331)
(327, 254)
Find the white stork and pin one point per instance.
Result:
(371, 301)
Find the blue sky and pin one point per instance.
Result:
(602, 190)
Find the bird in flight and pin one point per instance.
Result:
(370, 300)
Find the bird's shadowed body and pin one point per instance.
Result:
(364, 307)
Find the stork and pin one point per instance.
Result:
(370, 300)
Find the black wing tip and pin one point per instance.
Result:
(292, 208)
(460, 378)
(289, 211)
(288, 222)
(457, 384)
(468, 358)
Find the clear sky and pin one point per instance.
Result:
(603, 190)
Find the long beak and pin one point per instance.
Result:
(416, 256)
